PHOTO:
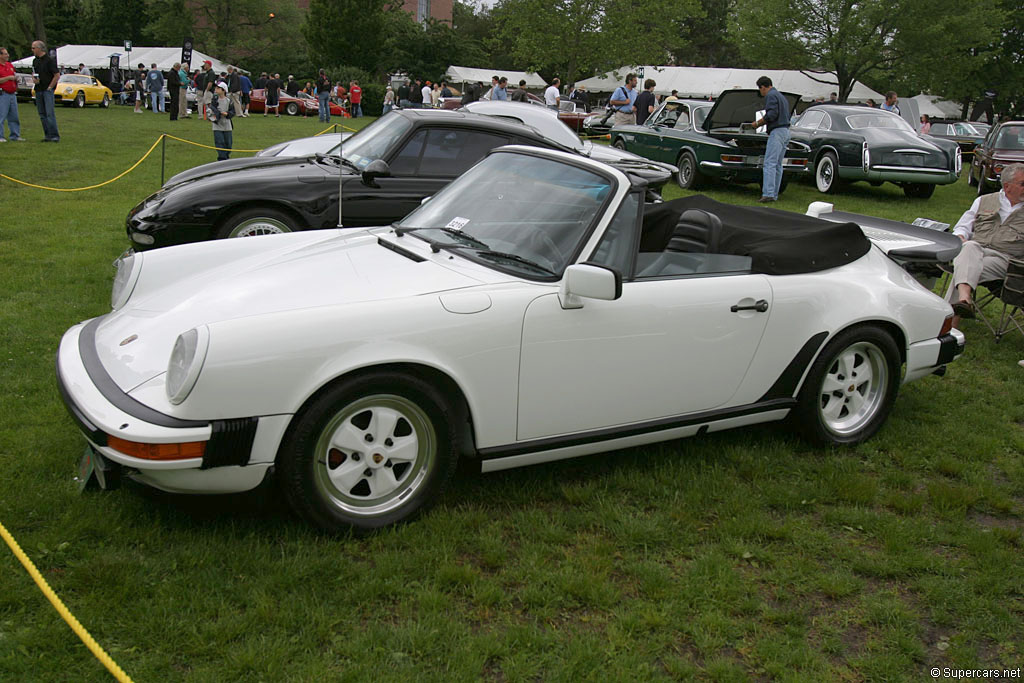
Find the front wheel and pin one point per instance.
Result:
(970, 177)
(80, 100)
(369, 452)
(258, 221)
(620, 144)
(826, 173)
(106, 101)
(850, 389)
(292, 109)
(919, 190)
(688, 175)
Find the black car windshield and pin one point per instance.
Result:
(857, 121)
(374, 141)
(512, 210)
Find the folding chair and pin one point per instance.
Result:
(1009, 293)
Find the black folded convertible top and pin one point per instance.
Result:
(778, 242)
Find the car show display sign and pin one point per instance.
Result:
(186, 53)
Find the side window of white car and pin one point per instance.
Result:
(618, 247)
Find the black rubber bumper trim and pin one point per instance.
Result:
(949, 349)
(91, 431)
(230, 442)
(785, 386)
(663, 424)
(106, 385)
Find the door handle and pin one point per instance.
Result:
(761, 306)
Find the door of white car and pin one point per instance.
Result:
(667, 347)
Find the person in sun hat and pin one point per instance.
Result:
(219, 112)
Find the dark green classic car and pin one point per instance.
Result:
(851, 143)
(704, 140)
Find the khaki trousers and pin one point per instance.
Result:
(975, 264)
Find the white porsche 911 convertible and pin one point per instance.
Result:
(534, 309)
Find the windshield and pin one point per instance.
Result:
(857, 121)
(516, 212)
(374, 141)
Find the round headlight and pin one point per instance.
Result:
(186, 361)
(128, 266)
(67, 91)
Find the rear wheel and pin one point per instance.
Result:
(106, 101)
(619, 144)
(919, 190)
(292, 109)
(258, 221)
(826, 173)
(970, 176)
(850, 389)
(688, 174)
(80, 100)
(369, 452)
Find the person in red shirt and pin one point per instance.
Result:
(355, 97)
(8, 98)
(342, 95)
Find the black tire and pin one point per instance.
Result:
(826, 173)
(836, 409)
(340, 447)
(971, 182)
(256, 221)
(292, 109)
(80, 100)
(982, 188)
(688, 174)
(919, 190)
(106, 101)
(619, 144)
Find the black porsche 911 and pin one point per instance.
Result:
(386, 170)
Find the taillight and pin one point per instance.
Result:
(158, 451)
(734, 158)
(947, 325)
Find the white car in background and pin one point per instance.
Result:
(534, 309)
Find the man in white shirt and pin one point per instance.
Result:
(992, 231)
(551, 95)
(426, 94)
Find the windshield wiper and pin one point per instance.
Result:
(457, 234)
(346, 162)
(516, 258)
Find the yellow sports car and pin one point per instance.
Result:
(81, 90)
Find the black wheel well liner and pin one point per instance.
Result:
(447, 386)
(887, 325)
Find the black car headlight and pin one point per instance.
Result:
(129, 266)
(187, 358)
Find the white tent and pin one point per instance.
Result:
(703, 82)
(465, 74)
(98, 57)
(936, 107)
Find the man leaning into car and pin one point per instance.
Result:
(776, 117)
(992, 231)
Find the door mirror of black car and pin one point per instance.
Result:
(378, 168)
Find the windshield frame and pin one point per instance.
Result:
(617, 186)
(382, 126)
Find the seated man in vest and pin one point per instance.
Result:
(993, 232)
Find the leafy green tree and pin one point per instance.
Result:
(855, 38)
(351, 32)
(705, 40)
(16, 27)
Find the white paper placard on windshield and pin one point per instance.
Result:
(457, 223)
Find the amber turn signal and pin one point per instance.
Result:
(947, 325)
(158, 451)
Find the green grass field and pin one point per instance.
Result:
(745, 555)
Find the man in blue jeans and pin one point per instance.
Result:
(323, 95)
(776, 117)
(8, 98)
(47, 75)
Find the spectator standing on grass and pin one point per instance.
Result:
(389, 100)
(776, 118)
(500, 92)
(425, 93)
(623, 101)
(355, 97)
(219, 112)
(323, 95)
(155, 85)
(403, 95)
(551, 96)
(273, 96)
(47, 75)
(645, 101)
(183, 92)
(891, 102)
(261, 82)
(926, 124)
(416, 95)
(209, 81)
(139, 81)
(173, 90)
(580, 96)
(519, 94)
(292, 86)
(435, 96)
(445, 90)
(246, 90)
(8, 98)
(235, 89)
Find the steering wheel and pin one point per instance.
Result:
(537, 242)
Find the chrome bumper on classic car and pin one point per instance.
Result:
(219, 456)
(740, 162)
(900, 174)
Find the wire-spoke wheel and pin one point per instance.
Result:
(258, 221)
(369, 452)
(851, 387)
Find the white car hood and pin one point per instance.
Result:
(284, 277)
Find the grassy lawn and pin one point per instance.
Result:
(736, 556)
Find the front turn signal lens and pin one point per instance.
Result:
(947, 325)
(158, 451)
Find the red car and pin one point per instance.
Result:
(302, 105)
(570, 112)
(1003, 145)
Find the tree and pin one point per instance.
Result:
(855, 38)
(351, 32)
(16, 27)
(705, 39)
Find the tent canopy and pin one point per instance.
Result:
(936, 107)
(465, 74)
(703, 82)
(98, 57)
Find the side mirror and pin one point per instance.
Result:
(378, 168)
(589, 281)
(425, 200)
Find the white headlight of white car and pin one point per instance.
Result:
(186, 361)
(128, 266)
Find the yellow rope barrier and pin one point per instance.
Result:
(332, 129)
(91, 187)
(79, 630)
(199, 144)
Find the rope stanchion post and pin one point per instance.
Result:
(163, 157)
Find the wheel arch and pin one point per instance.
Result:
(226, 212)
(821, 152)
(898, 335)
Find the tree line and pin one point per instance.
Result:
(946, 47)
